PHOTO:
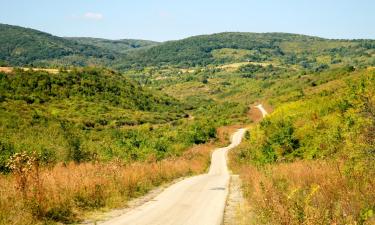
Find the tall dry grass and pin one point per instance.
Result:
(62, 193)
(307, 192)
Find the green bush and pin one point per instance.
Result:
(6, 151)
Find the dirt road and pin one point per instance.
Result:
(199, 200)
(262, 110)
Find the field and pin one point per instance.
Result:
(10, 69)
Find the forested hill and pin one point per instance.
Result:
(119, 46)
(24, 46)
(87, 85)
(257, 47)
(73, 113)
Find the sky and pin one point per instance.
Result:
(162, 20)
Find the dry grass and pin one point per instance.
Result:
(308, 192)
(6, 69)
(64, 192)
(234, 66)
(10, 69)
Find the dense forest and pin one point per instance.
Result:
(119, 46)
(222, 48)
(22, 46)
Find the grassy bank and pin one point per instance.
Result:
(36, 195)
(312, 160)
(306, 192)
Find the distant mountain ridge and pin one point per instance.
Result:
(23, 46)
(257, 47)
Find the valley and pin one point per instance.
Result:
(89, 124)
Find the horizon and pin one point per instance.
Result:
(170, 20)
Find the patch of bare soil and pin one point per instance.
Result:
(255, 114)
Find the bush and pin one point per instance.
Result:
(6, 151)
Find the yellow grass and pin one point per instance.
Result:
(234, 66)
(10, 69)
(307, 192)
(64, 192)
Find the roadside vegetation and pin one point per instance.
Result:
(312, 160)
(36, 194)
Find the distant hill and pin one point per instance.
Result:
(236, 47)
(119, 46)
(24, 46)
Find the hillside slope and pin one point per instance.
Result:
(256, 47)
(311, 161)
(49, 112)
(119, 46)
(24, 46)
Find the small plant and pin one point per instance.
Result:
(26, 169)
(21, 164)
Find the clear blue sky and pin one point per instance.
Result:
(175, 19)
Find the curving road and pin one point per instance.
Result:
(199, 200)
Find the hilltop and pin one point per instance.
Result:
(291, 49)
(23, 46)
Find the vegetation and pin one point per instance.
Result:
(22, 46)
(84, 138)
(287, 49)
(303, 163)
(63, 193)
(119, 46)
(89, 123)
(93, 115)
